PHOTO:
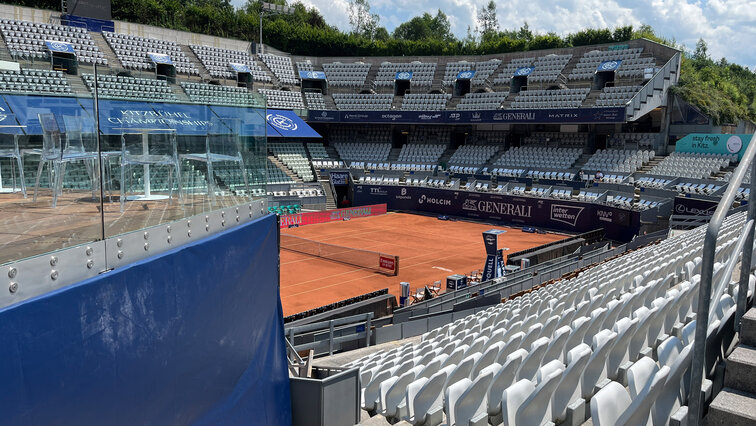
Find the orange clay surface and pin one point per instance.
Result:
(428, 250)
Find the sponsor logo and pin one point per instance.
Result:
(60, 46)
(490, 240)
(498, 208)
(523, 71)
(683, 209)
(436, 201)
(291, 219)
(734, 144)
(429, 116)
(387, 263)
(465, 75)
(282, 122)
(609, 65)
(476, 116)
(404, 191)
(518, 116)
(378, 191)
(391, 117)
(324, 114)
(605, 215)
(403, 76)
(356, 116)
(566, 214)
(455, 116)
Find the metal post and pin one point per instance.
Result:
(367, 328)
(704, 296)
(330, 337)
(745, 259)
(261, 45)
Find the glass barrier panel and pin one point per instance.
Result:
(50, 168)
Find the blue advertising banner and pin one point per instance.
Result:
(465, 75)
(252, 120)
(160, 58)
(714, 144)
(620, 224)
(403, 75)
(522, 72)
(609, 66)
(312, 75)
(118, 116)
(289, 125)
(239, 67)
(8, 122)
(60, 46)
(512, 116)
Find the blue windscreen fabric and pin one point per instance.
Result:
(27, 108)
(190, 336)
(289, 125)
(252, 120)
(117, 116)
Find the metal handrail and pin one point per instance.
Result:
(707, 269)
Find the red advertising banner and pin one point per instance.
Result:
(309, 218)
(389, 263)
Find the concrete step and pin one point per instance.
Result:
(104, 47)
(732, 407)
(741, 369)
(748, 328)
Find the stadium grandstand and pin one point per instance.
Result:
(199, 229)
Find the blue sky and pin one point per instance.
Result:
(728, 26)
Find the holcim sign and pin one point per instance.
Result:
(620, 224)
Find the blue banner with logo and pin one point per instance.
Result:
(59, 47)
(27, 108)
(312, 75)
(572, 216)
(288, 125)
(239, 68)
(523, 71)
(714, 144)
(117, 117)
(160, 58)
(512, 116)
(403, 75)
(609, 66)
(465, 75)
(252, 120)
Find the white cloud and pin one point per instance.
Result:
(726, 25)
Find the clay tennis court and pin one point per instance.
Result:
(429, 249)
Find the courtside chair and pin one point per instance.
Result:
(56, 154)
(9, 149)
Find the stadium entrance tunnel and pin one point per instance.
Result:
(401, 87)
(518, 83)
(603, 79)
(461, 87)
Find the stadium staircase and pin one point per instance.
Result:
(274, 81)
(438, 77)
(444, 159)
(204, 73)
(284, 168)
(651, 164)
(372, 74)
(104, 47)
(736, 403)
(325, 182)
(393, 156)
(396, 103)
(581, 161)
(77, 84)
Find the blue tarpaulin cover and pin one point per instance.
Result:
(190, 336)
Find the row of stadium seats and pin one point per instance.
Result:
(539, 157)
(346, 75)
(213, 93)
(562, 98)
(482, 101)
(27, 40)
(422, 73)
(482, 70)
(547, 68)
(129, 87)
(315, 100)
(421, 153)
(639, 140)
(294, 156)
(283, 99)
(217, 60)
(361, 151)
(556, 138)
(34, 81)
(506, 74)
(281, 67)
(616, 96)
(472, 155)
(425, 102)
(132, 52)
(349, 101)
(692, 165)
(614, 160)
(540, 357)
(591, 60)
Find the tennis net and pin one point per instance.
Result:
(380, 262)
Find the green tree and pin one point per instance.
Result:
(426, 27)
(362, 21)
(488, 23)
